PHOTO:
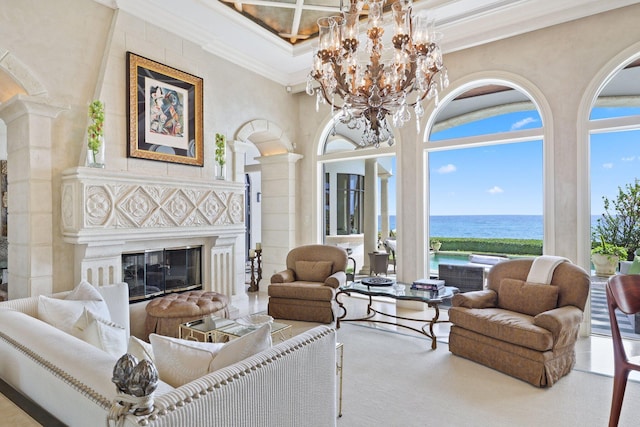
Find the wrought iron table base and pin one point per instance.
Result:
(371, 312)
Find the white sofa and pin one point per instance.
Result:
(290, 384)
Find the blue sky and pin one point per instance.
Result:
(500, 179)
(507, 178)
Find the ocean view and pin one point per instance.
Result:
(486, 226)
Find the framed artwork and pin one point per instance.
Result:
(165, 113)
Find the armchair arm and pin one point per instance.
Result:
(563, 322)
(486, 298)
(285, 276)
(336, 280)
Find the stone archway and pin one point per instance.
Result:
(277, 172)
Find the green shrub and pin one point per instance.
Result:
(491, 246)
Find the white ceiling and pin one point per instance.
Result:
(225, 32)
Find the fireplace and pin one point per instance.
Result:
(158, 233)
(153, 273)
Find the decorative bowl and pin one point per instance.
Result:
(255, 320)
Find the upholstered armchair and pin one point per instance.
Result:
(521, 327)
(306, 289)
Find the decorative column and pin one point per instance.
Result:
(30, 205)
(370, 212)
(384, 205)
(278, 211)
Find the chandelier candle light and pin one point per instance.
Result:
(370, 91)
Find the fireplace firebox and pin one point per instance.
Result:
(152, 273)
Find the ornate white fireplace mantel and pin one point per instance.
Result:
(105, 213)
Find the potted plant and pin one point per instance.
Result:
(221, 143)
(95, 135)
(605, 257)
(435, 245)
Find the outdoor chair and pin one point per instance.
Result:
(623, 293)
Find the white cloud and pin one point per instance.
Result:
(522, 123)
(607, 165)
(495, 190)
(447, 168)
(629, 159)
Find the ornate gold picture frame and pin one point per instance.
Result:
(165, 113)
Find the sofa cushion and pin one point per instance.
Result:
(101, 333)
(181, 361)
(243, 347)
(140, 349)
(528, 298)
(63, 313)
(509, 326)
(313, 271)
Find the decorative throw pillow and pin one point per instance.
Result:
(528, 298)
(101, 333)
(140, 349)
(181, 361)
(63, 313)
(243, 347)
(313, 271)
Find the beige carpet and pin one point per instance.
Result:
(392, 379)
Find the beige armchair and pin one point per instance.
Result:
(306, 289)
(527, 330)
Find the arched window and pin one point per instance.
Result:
(614, 146)
(485, 171)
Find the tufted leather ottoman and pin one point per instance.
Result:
(165, 314)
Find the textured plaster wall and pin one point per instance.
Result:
(76, 49)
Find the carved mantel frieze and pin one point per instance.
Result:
(102, 206)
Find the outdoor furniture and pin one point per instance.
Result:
(306, 289)
(623, 293)
(520, 326)
(378, 263)
(464, 277)
(390, 247)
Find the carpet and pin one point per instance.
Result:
(393, 379)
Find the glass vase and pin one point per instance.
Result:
(95, 159)
(219, 171)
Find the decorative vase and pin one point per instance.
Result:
(95, 159)
(219, 171)
(605, 265)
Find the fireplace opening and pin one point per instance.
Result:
(157, 272)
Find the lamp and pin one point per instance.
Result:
(370, 91)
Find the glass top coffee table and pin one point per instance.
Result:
(398, 291)
(214, 329)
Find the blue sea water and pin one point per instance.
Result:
(486, 226)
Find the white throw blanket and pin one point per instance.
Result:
(542, 268)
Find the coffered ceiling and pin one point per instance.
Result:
(275, 38)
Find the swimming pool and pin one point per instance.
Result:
(447, 258)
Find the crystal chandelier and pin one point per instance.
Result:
(387, 83)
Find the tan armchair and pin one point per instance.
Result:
(306, 289)
(527, 330)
